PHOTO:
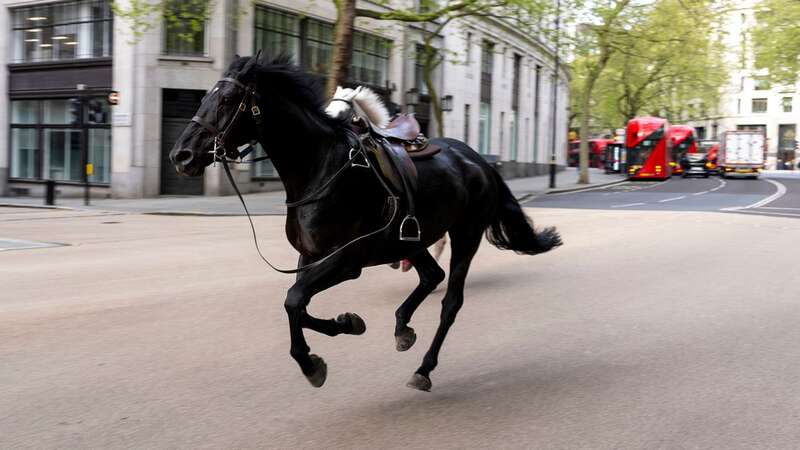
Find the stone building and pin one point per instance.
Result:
(62, 59)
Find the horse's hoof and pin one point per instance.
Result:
(319, 372)
(406, 338)
(355, 323)
(419, 382)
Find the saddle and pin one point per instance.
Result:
(393, 150)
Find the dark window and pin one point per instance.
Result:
(47, 137)
(184, 29)
(467, 118)
(787, 104)
(761, 84)
(487, 67)
(515, 82)
(759, 105)
(370, 59)
(277, 32)
(61, 31)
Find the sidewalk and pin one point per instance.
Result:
(272, 203)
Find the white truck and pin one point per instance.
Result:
(741, 154)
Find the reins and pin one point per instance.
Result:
(356, 149)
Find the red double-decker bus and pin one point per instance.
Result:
(597, 149)
(683, 141)
(647, 148)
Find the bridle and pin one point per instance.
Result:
(357, 149)
(219, 136)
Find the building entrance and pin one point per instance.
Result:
(178, 108)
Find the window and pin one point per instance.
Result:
(761, 84)
(318, 48)
(467, 118)
(738, 106)
(759, 105)
(184, 31)
(487, 67)
(61, 31)
(468, 48)
(536, 106)
(370, 59)
(514, 132)
(787, 104)
(47, 136)
(502, 132)
(419, 70)
(310, 42)
(484, 123)
(277, 32)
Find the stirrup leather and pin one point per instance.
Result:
(405, 235)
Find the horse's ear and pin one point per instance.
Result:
(250, 63)
(357, 91)
(338, 92)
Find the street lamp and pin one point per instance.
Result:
(447, 103)
(412, 98)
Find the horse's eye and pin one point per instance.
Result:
(226, 99)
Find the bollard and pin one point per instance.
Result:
(50, 193)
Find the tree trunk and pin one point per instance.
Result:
(342, 44)
(429, 65)
(586, 113)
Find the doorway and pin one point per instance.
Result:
(177, 109)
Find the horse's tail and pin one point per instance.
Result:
(511, 229)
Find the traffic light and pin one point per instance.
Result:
(75, 110)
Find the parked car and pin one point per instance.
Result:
(694, 164)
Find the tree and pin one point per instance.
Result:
(662, 58)
(596, 43)
(776, 39)
(522, 13)
(665, 73)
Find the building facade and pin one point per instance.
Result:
(750, 101)
(62, 59)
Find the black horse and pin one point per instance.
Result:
(281, 107)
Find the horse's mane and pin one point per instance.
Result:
(372, 106)
(281, 80)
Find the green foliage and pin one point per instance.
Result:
(666, 60)
(185, 17)
(776, 39)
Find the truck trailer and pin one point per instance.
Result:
(741, 154)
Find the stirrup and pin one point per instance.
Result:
(365, 164)
(405, 236)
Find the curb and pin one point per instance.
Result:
(532, 195)
(35, 206)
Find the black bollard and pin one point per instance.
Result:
(50, 193)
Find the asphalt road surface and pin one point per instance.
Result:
(647, 329)
(770, 196)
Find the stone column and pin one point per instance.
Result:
(5, 142)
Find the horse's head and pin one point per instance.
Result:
(224, 122)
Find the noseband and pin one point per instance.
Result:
(220, 152)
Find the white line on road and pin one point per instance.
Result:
(722, 184)
(672, 199)
(701, 193)
(627, 205)
(775, 207)
(768, 213)
(778, 194)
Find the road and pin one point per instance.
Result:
(664, 328)
(768, 196)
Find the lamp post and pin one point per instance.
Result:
(555, 100)
(412, 99)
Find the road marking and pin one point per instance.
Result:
(576, 191)
(701, 193)
(627, 205)
(722, 184)
(672, 199)
(775, 207)
(778, 194)
(766, 213)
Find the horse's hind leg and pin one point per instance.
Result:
(430, 275)
(308, 284)
(464, 245)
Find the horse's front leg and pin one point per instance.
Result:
(308, 284)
